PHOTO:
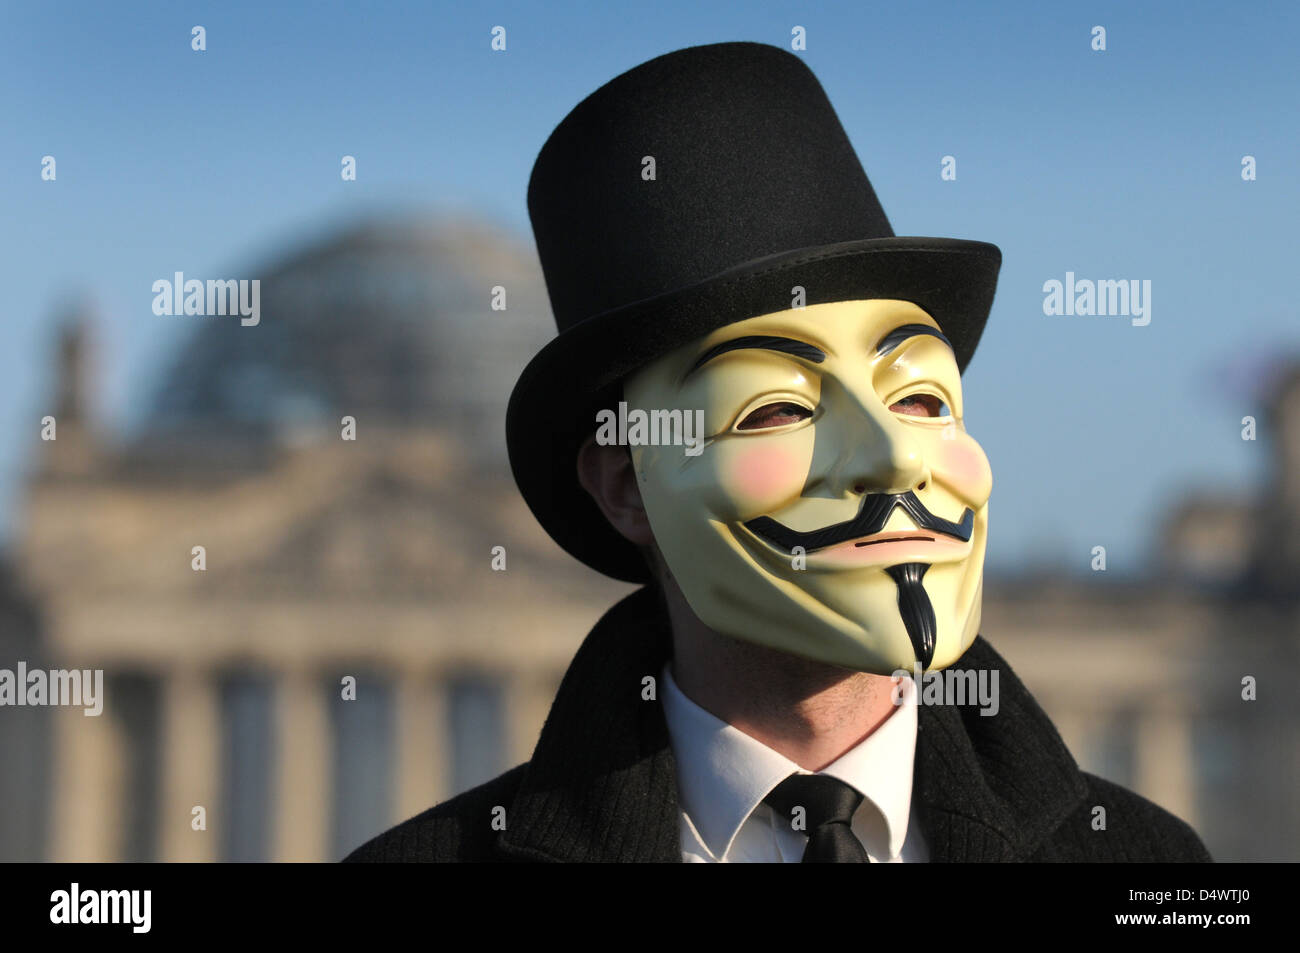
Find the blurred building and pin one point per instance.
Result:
(325, 559)
(25, 747)
(364, 568)
(1147, 679)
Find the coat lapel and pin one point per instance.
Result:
(602, 785)
(991, 788)
(602, 782)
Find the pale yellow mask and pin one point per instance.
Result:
(783, 530)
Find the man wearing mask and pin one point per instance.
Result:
(715, 253)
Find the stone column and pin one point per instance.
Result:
(423, 748)
(88, 816)
(1163, 755)
(303, 786)
(528, 700)
(191, 768)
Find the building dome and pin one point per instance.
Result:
(391, 323)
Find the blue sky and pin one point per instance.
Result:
(1118, 164)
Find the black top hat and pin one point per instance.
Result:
(755, 190)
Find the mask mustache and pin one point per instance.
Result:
(871, 518)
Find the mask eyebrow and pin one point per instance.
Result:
(762, 342)
(900, 334)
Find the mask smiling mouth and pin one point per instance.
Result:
(895, 537)
(866, 526)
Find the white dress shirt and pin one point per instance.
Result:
(723, 775)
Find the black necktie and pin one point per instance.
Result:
(828, 805)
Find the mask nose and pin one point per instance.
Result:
(862, 446)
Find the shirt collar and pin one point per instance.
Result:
(723, 774)
(880, 766)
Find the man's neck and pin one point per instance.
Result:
(808, 711)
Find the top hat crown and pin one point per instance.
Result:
(695, 190)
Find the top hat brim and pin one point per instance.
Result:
(553, 407)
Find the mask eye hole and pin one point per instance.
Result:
(779, 414)
(921, 405)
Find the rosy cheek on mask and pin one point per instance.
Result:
(961, 464)
(763, 476)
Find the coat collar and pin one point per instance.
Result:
(602, 787)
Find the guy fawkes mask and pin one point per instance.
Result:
(839, 509)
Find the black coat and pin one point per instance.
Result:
(601, 785)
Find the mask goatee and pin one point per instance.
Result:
(915, 608)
